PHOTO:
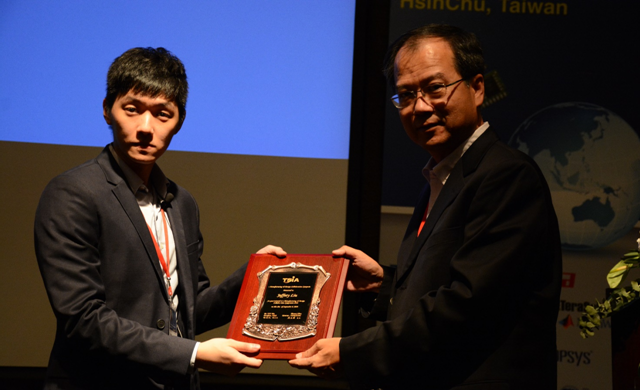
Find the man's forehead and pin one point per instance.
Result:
(422, 55)
(434, 49)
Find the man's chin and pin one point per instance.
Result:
(426, 140)
(142, 158)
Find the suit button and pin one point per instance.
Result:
(160, 324)
(391, 301)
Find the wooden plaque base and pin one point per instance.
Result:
(251, 300)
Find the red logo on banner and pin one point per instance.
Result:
(568, 279)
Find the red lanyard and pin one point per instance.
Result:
(163, 262)
(424, 219)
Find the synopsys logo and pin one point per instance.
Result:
(574, 357)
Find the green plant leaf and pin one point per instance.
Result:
(618, 273)
(619, 298)
(635, 255)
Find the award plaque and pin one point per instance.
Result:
(287, 304)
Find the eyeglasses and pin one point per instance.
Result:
(433, 94)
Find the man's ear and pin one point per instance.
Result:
(180, 122)
(106, 111)
(477, 83)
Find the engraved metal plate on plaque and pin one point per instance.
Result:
(287, 304)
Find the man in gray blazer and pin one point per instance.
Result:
(474, 299)
(119, 246)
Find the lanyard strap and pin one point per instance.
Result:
(424, 219)
(163, 262)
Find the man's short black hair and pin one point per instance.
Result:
(151, 72)
(467, 51)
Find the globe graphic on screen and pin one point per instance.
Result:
(591, 159)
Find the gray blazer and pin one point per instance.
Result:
(105, 284)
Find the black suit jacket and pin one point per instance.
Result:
(474, 300)
(106, 288)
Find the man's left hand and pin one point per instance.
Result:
(322, 359)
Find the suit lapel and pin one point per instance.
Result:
(125, 197)
(466, 166)
(411, 235)
(447, 195)
(184, 270)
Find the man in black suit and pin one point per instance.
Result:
(473, 301)
(119, 246)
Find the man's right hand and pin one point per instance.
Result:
(223, 356)
(365, 274)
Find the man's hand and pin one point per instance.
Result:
(322, 359)
(365, 274)
(223, 356)
(272, 250)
